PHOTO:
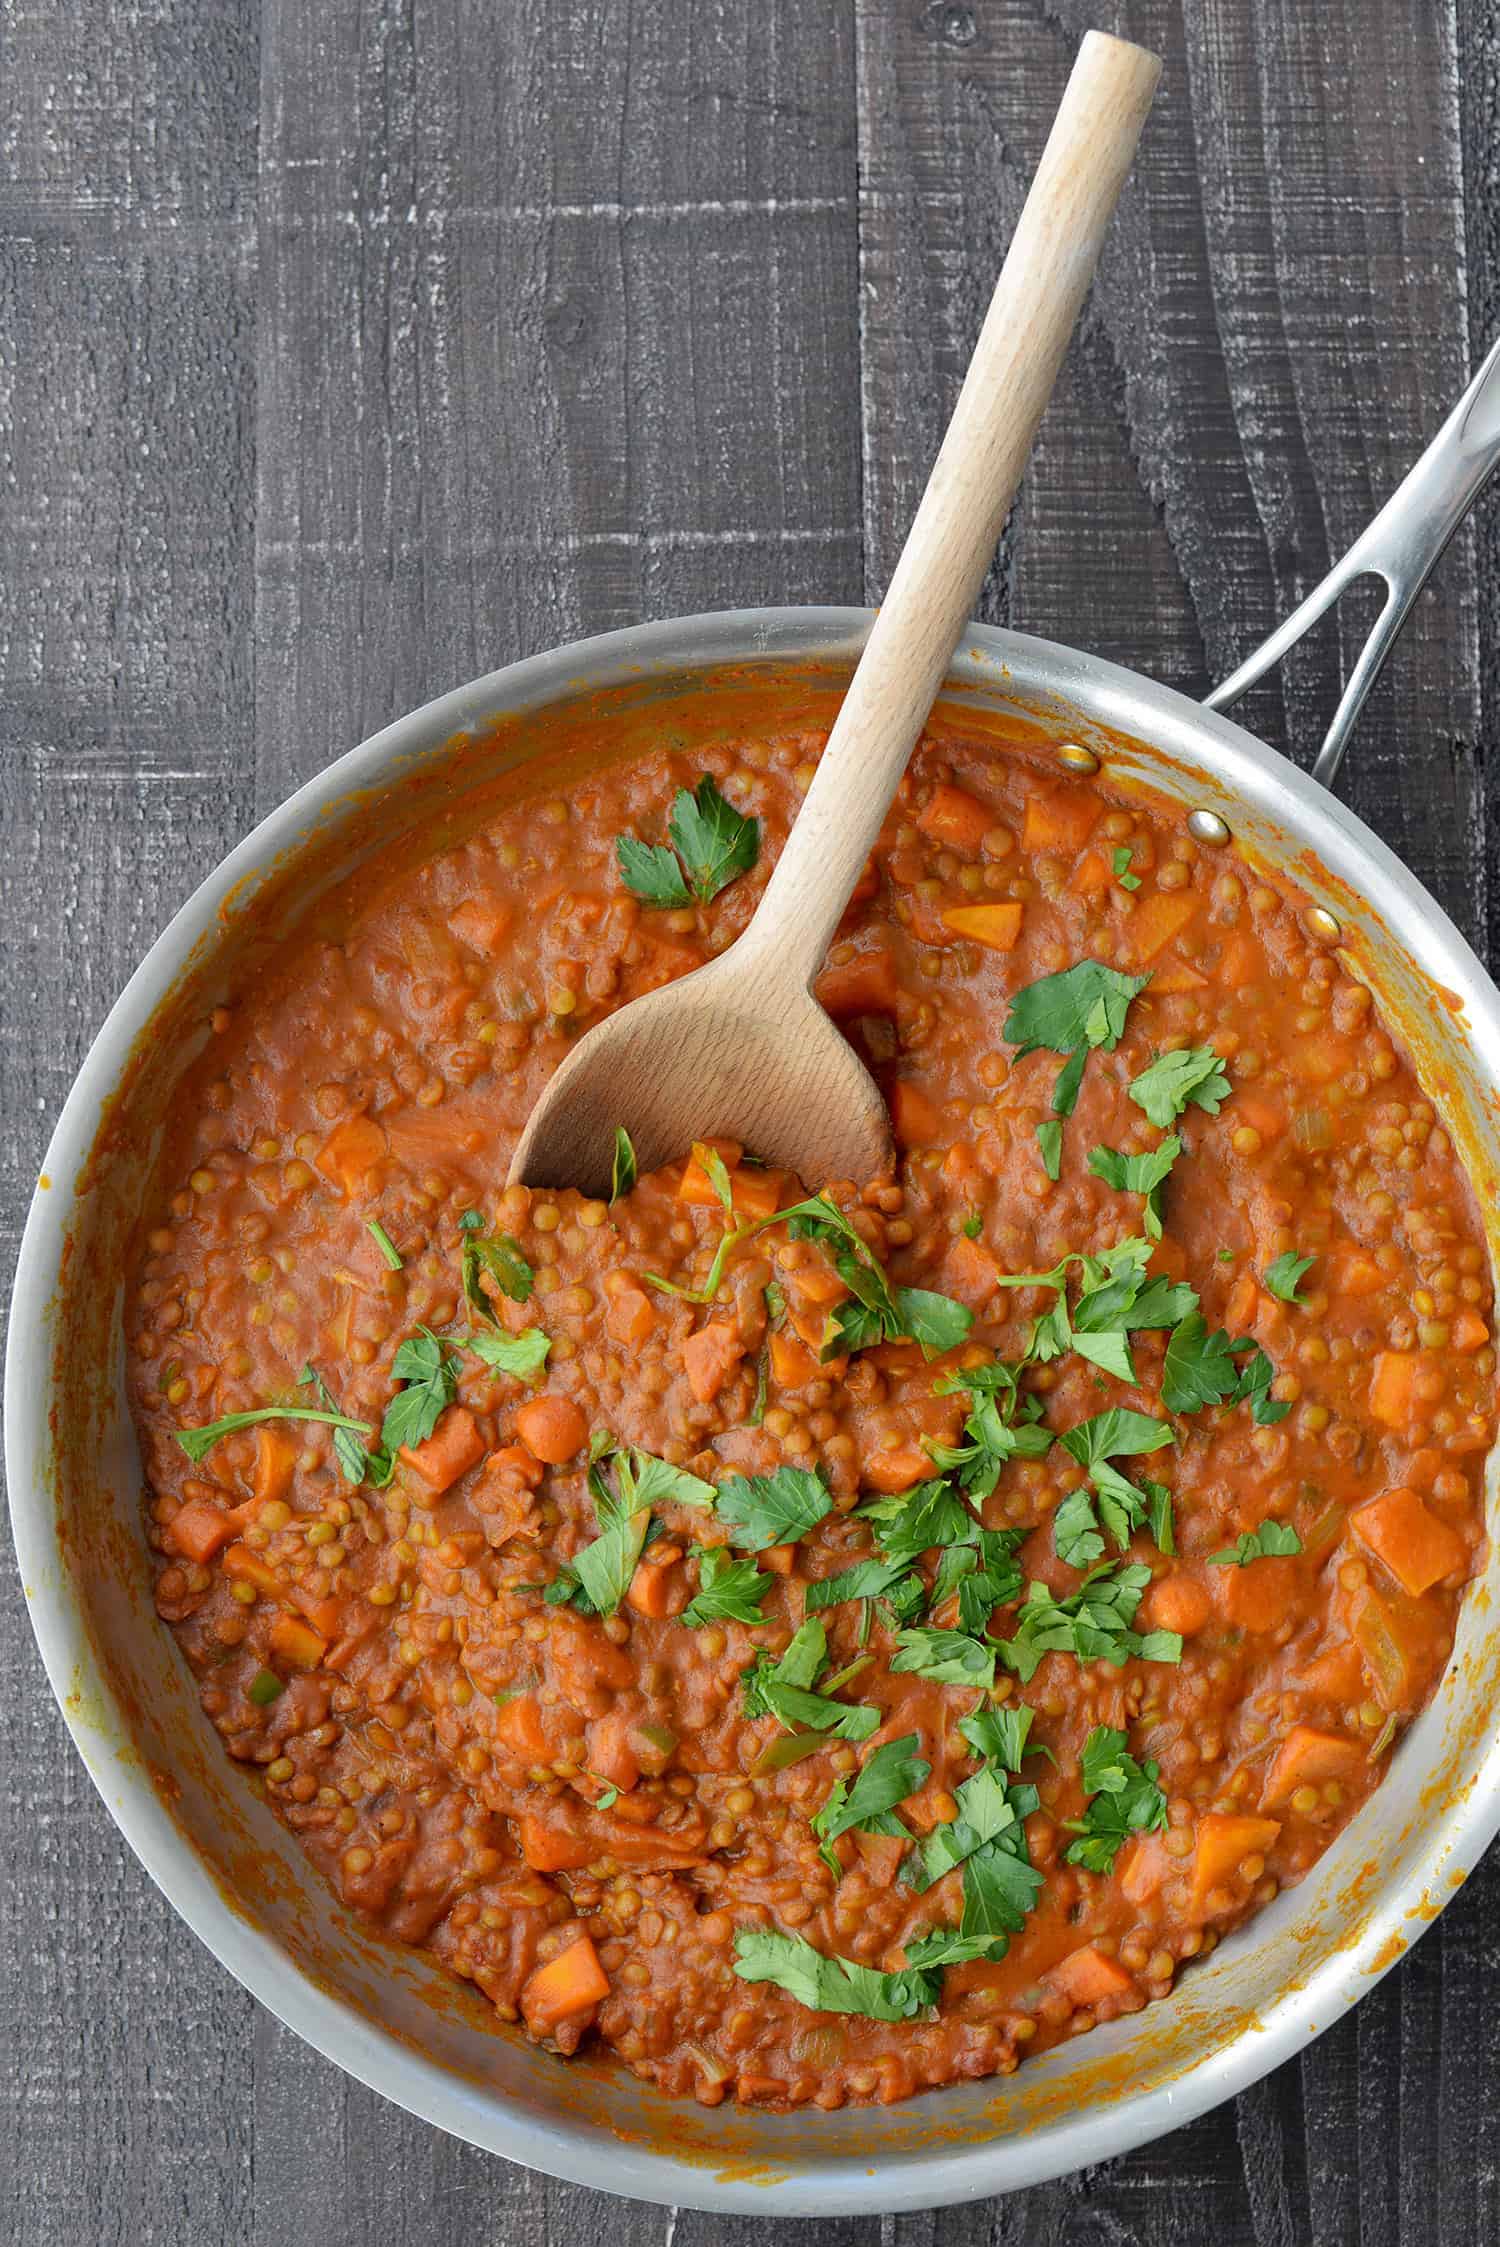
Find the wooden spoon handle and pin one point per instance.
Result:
(937, 579)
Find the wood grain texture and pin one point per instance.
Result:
(347, 350)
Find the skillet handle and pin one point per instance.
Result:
(1401, 546)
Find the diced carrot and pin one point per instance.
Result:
(552, 1428)
(248, 1566)
(1173, 976)
(1354, 1273)
(695, 1185)
(1469, 1332)
(350, 1152)
(1225, 1840)
(325, 1615)
(197, 1530)
(954, 817)
(1261, 1114)
(818, 1283)
(1393, 1387)
(1092, 873)
(1258, 1597)
(1309, 1758)
(710, 1356)
(519, 1726)
(1086, 1976)
(454, 1446)
(552, 1848)
(481, 922)
(756, 1193)
(897, 1469)
(275, 1460)
(1414, 1545)
(867, 984)
(1158, 919)
(1241, 961)
(1177, 1603)
(780, 1559)
(631, 1315)
(916, 1119)
(572, 1982)
(296, 1644)
(793, 1364)
(1336, 1675)
(997, 926)
(513, 1463)
(1060, 820)
(659, 1588)
(609, 1753)
(1143, 1870)
(969, 1267)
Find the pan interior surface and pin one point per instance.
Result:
(240, 1879)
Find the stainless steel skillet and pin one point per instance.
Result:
(239, 1880)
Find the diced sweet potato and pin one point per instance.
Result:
(481, 922)
(793, 1364)
(1352, 1272)
(350, 1153)
(1261, 1114)
(1255, 1598)
(631, 1315)
(573, 1982)
(695, 1186)
(996, 926)
(916, 1120)
(1086, 1976)
(1158, 920)
(519, 1727)
(1174, 975)
(1393, 1397)
(552, 1428)
(1143, 1869)
(1409, 1539)
(295, 1645)
(756, 1193)
(956, 819)
(454, 1446)
(198, 1530)
(970, 1269)
(248, 1566)
(1309, 1758)
(659, 1588)
(1225, 1840)
(1469, 1332)
(1241, 961)
(1060, 820)
(710, 1356)
(275, 1461)
(867, 984)
(1093, 873)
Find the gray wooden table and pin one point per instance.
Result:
(348, 348)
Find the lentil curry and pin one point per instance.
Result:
(821, 1639)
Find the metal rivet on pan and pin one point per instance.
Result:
(1076, 758)
(1319, 922)
(1207, 827)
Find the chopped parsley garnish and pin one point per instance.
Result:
(867, 1803)
(715, 1170)
(784, 1688)
(832, 1985)
(1138, 1174)
(430, 1374)
(523, 1354)
(867, 1579)
(622, 1175)
(1115, 1299)
(729, 1591)
(1124, 1799)
(1002, 1735)
(1120, 863)
(645, 1480)
(1092, 1624)
(777, 1509)
(198, 1442)
(876, 1311)
(1174, 1081)
(1117, 1434)
(1084, 1006)
(357, 1462)
(1285, 1276)
(992, 1433)
(598, 1576)
(946, 1657)
(1049, 1141)
(498, 1256)
(1200, 1369)
(384, 1243)
(987, 1808)
(712, 842)
(1271, 1539)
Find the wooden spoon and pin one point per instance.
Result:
(741, 1049)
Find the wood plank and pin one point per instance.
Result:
(126, 207)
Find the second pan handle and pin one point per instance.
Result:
(1400, 546)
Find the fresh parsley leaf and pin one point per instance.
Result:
(992, 1435)
(198, 1442)
(604, 1568)
(985, 1810)
(1069, 1083)
(357, 1464)
(945, 1946)
(992, 1579)
(783, 1688)
(645, 1480)
(1049, 1141)
(1138, 1174)
(607, 1797)
(1116, 1434)
(523, 1354)
(1002, 1735)
(715, 842)
(1120, 861)
(622, 1175)
(867, 1579)
(384, 1243)
(946, 1657)
(1124, 1799)
(866, 1802)
(1272, 1538)
(1001, 1886)
(713, 1167)
(1075, 1531)
(832, 1985)
(1159, 1517)
(500, 1257)
(1199, 1367)
(1092, 1624)
(1285, 1275)
(729, 1591)
(1174, 1081)
(936, 1322)
(1254, 1389)
(1084, 1006)
(907, 1526)
(776, 1509)
(651, 872)
(430, 1375)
